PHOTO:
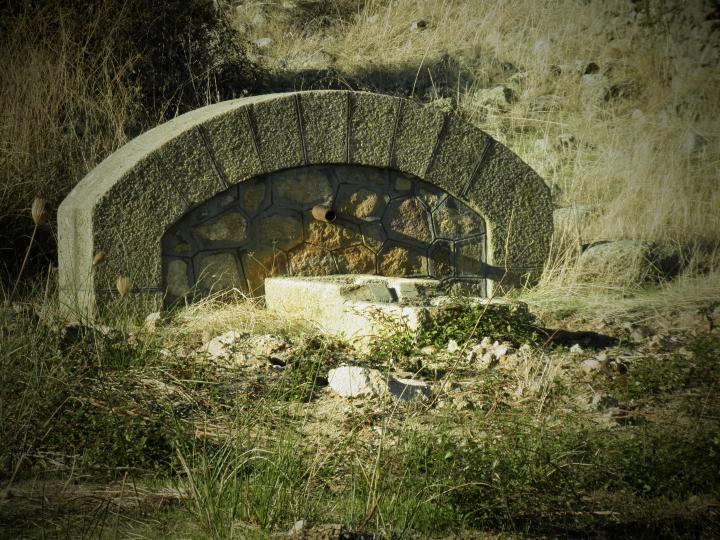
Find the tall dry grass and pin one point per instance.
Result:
(65, 105)
(642, 147)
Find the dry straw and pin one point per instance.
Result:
(123, 284)
(39, 215)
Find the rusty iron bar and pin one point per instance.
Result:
(323, 213)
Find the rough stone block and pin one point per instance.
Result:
(458, 152)
(129, 222)
(231, 141)
(417, 133)
(372, 124)
(190, 168)
(218, 272)
(324, 118)
(278, 133)
(229, 227)
(397, 260)
(408, 219)
(306, 187)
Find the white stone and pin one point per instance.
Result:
(152, 321)
(590, 365)
(355, 381)
(542, 145)
(263, 42)
(222, 346)
(418, 25)
(485, 361)
(500, 349)
(297, 527)
(453, 346)
(576, 349)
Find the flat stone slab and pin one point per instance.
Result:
(360, 308)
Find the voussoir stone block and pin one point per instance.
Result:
(189, 164)
(324, 117)
(230, 139)
(417, 133)
(277, 130)
(222, 197)
(457, 154)
(372, 124)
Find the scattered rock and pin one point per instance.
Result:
(428, 350)
(576, 349)
(153, 320)
(498, 97)
(622, 89)
(224, 345)
(542, 145)
(566, 140)
(269, 346)
(638, 116)
(263, 42)
(541, 47)
(546, 103)
(356, 381)
(418, 25)
(453, 346)
(590, 365)
(462, 403)
(485, 354)
(408, 389)
(257, 20)
(626, 262)
(603, 402)
(594, 88)
(578, 67)
(692, 143)
(298, 526)
(313, 60)
(617, 365)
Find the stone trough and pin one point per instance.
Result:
(361, 308)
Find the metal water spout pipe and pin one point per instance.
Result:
(323, 213)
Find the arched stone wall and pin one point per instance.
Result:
(121, 210)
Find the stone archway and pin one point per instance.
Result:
(119, 220)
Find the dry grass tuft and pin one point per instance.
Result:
(231, 310)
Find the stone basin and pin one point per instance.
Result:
(361, 308)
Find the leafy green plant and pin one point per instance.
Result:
(502, 322)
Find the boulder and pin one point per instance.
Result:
(224, 345)
(626, 262)
(357, 381)
(498, 97)
(594, 88)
